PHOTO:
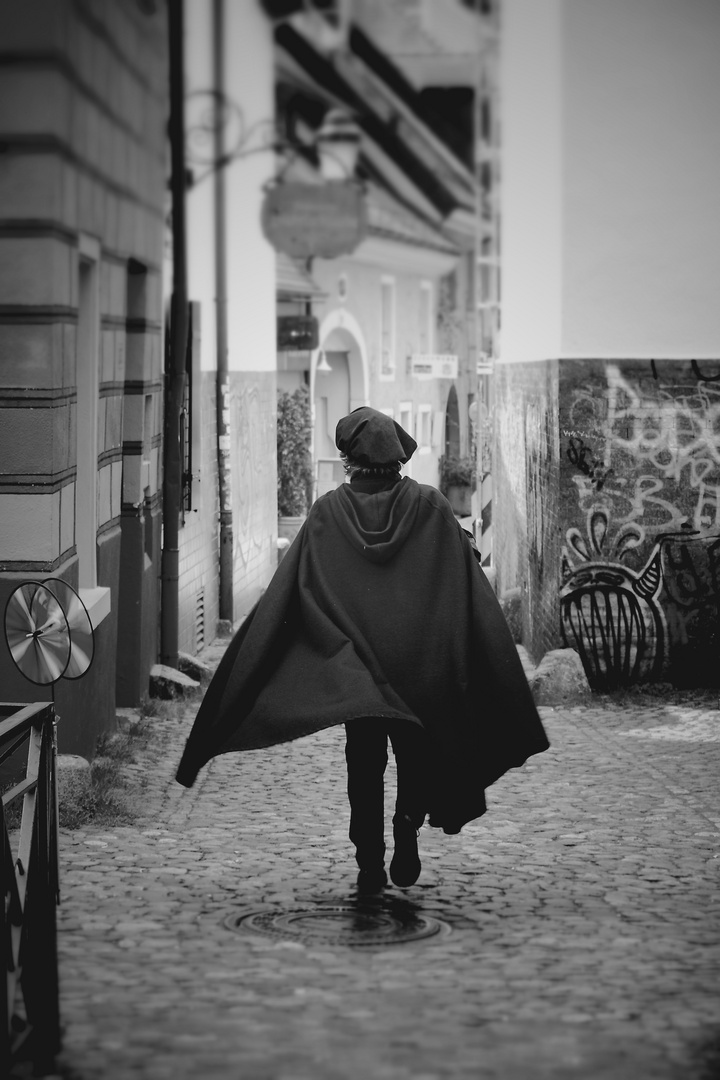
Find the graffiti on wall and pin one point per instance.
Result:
(641, 587)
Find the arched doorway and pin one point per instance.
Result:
(339, 385)
(332, 401)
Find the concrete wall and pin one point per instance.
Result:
(640, 516)
(610, 331)
(198, 591)
(250, 267)
(641, 231)
(83, 113)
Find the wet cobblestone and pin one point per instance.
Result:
(584, 914)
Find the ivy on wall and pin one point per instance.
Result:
(294, 463)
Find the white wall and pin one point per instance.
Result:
(200, 200)
(611, 159)
(641, 178)
(251, 259)
(531, 183)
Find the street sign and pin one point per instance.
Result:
(309, 220)
(434, 366)
(297, 332)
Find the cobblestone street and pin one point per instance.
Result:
(582, 911)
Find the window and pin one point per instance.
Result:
(426, 342)
(424, 427)
(405, 420)
(387, 328)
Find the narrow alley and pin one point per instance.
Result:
(574, 931)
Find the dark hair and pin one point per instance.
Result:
(370, 472)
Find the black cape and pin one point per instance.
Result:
(378, 609)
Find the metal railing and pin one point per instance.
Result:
(30, 1027)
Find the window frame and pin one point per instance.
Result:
(386, 373)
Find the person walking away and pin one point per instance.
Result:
(379, 618)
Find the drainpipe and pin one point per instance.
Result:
(175, 369)
(223, 384)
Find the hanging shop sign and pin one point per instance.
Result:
(297, 332)
(434, 366)
(314, 220)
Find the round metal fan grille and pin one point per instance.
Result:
(48, 631)
(339, 924)
(37, 633)
(82, 638)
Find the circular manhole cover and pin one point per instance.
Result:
(339, 924)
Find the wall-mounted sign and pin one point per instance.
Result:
(297, 332)
(434, 366)
(308, 220)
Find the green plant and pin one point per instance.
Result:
(294, 465)
(456, 472)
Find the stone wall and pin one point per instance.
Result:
(607, 514)
(640, 483)
(83, 114)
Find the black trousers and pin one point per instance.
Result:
(367, 757)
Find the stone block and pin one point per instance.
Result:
(132, 493)
(67, 517)
(138, 356)
(133, 418)
(113, 422)
(35, 26)
(116, 489)
(560, 679)
(69, 195)
(35, 270)
(30, 355)
(29, 527)
(107, 356)
(104, 499)
(45, 95)
(110, 222)
(31, 186)
(26, 441)
(74, 778)
(125, 719)
(168, 683)
(195, 668)
(64, 449)
(120, 355)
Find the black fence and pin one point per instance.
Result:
(30, 1022)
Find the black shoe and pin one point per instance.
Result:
(405, 866)
(371, 881)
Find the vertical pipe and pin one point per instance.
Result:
(223, 383)
(176, 363)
